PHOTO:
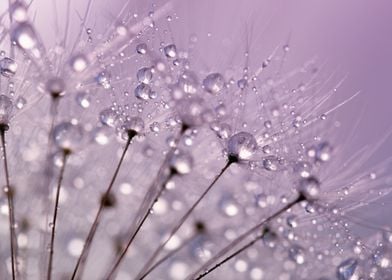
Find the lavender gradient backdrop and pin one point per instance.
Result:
(353, 37)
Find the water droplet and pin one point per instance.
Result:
(8, 67)
(170, 51)
(297, 254)
(229, 206)
(242, 145)
(242, 83)
(271, 163)
(141, 48)
(6, 107)
(188, 82)
(68, 135)
(144, 75)
(79, 63)
(83, 99)
(214, 83)
(143, 91)
(18, 11)
(292, 221)
(20, 102)
(346, 269)
(24, 36)
(103, 79)
(108, 117)
(181, 162)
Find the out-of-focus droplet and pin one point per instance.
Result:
(68, 135)
(297, 254)
(78, 63)
(181, 162)
(24, 36)
(18, 11)
(83, 99)
(20, 102)
(55, 86)
(6, 107)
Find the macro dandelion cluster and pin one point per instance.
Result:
(127, 154)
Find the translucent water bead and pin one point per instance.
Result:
(131, 127)
(310, 187)
(8, 67)
(346, 269)
(242, 146)
(68, 136)
(214, 83)
(6, 106)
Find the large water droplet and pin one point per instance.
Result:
(346, 270)
(144, 75)
(170, 51)
(108, 117)
(24, 36)
(8, 67)
(68, 135)
(143, 91)
(214, 83)
(242, 146)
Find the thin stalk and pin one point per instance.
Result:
(170, 254)
(66, 153)
(139, 227)
(11, 214)
(186, 215)
(205, 270)
(80, 265)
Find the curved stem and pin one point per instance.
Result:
(186, 216)
(11, 214)
(80, 265)
(204, 269)
(55, 213)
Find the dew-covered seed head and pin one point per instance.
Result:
(55, 87)
(191, 110)
(132, 126)
(68, 136)
(214, 83)
(310, 188)
(181, 162)
(8, 67)
(241, 146)
(6, 107)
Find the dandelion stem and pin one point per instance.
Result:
(146, 215)
(204, 270)
(187, 214)
(11, 214)
(66, 153)
(143, 274)
(93, 229)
